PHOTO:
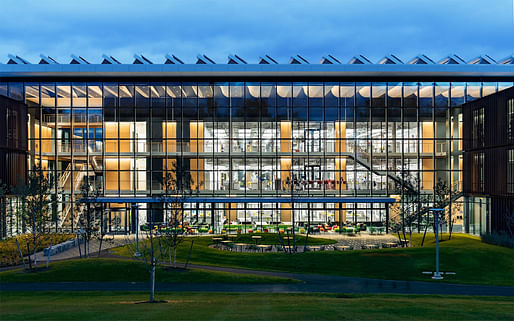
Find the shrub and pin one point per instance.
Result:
(9, 254)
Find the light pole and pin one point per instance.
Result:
(437, 274)
(135, 209)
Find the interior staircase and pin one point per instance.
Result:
(72, 181)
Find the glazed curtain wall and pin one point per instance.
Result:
(248, 138)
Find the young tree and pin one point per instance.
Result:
(89, 220)
(177, 185)
(35, 193)
(442, 192)
(148, 252)
(3, 209)
(404, 215)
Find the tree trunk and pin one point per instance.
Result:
(86, 255)
(28, 252)
(100, 246)
(410, 235)
(21, 254)
(450, 229)
(424, 234)
(152, 281)
(175, 255)
(34, 236)
(189, 254)
(450, 225)
(307, 237)
(78, 246)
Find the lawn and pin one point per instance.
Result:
(116, 270)
(249, 306)
(473, 261)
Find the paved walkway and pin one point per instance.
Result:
(318, 284)
(358, 241)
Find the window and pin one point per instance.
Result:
(12, 130)
(477, 174)
(478, 127)
(510, 119)
(510, 171)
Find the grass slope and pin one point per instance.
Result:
(473, 261)
(249, 306)
(116, 270)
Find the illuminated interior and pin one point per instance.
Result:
(245, 139)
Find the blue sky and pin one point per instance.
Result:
(312, 29)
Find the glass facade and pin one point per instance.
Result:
(256, 139)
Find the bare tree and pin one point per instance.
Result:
(442, 192)
(34, 194)
(89, 218)
(177, 184)
(3, 209)
(147, 250)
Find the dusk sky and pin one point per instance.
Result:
(250, 29)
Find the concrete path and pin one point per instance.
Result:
(334, 285)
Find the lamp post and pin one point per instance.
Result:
(135, 209)
(437, 274)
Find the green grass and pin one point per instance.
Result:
(249, 306)
(116, 270)
(473, 261)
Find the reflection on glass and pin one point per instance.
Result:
(252, 139)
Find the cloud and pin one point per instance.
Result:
(254, 28)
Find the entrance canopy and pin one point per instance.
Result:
(352, 199)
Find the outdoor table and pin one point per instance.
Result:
(314, 248)
(370, 246)
(262, 247)
(342, 247)
(216, 241)
(256, 237)
(391, 244)
(226, 242)
(240, 245)
(232, 236)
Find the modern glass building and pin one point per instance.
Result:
(264, 144)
